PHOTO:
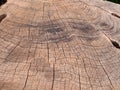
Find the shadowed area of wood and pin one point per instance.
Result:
(59, 45)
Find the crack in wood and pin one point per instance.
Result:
(27, 76)
(115, 15)
(115, 44)
(53, 81)
(2, 17)
(26, 80)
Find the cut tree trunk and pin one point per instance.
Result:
(59, 45)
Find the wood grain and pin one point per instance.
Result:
(59, 45)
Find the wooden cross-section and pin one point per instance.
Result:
(59, 45)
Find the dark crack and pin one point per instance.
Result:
(115, 44)
(115, 15)
(2, 17)
(52, 88)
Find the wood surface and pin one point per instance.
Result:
(59, 45)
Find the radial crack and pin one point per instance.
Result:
(53, 77)
(115, 15)
(79, 82)
(115, 44)
(26, 80)
(3, 16)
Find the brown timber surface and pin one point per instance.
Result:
(59, 45)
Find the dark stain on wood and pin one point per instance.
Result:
(16, 55)
(8, 85)
(84, 30)
(48, 33)
(53, 28)
(43, 66)
(54, 32)
(39, 64)
(48, 74)
(103, 24)
(83, 26)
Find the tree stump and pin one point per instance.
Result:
(59, 45)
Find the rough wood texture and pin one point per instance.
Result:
(59, 45)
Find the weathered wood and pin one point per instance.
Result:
(59, 45)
